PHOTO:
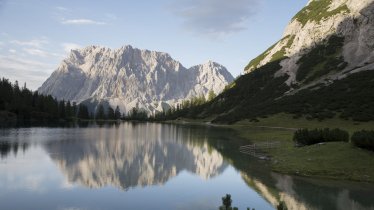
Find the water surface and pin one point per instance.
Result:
(151, 166)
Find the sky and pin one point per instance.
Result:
(36, 35)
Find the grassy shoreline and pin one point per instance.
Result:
(334, 160)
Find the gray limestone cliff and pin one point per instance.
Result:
(130, 77)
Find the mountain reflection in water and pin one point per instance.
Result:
(136, 155)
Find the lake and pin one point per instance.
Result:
(152, 166)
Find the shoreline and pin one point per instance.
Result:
(333, 160)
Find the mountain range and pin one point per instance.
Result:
(131, 78)
(321, 68)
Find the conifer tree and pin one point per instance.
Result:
(100, 113)
(110, 114)
(117, 113)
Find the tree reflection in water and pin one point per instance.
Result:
(7, 147)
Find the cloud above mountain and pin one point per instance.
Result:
(70, 46)
(82, 22)
(215, 17)
(21, 69)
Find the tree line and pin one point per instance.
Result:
(20, 103)
(187, 107)
(363, 139)
(109, 114)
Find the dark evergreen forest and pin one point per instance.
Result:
(20, 103)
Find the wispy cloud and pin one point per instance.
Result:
(39, 52)
(21, 64)
(215, 17)
(25, 70)
(82, 22)
(59, 12)
(28, 61)
(38, 43)
(63, 9)
(70, 46)
(34, 47)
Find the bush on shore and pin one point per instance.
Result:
(363, 139)
(304, 137)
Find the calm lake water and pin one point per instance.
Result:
(152, 166)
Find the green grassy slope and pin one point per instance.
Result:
(336, 160)
(318, 10)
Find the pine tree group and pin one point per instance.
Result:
(24, 104)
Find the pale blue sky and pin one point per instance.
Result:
(35, 35)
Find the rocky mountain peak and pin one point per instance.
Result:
(352, 20)
(129, 77)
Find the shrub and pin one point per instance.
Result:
(363, 139)
(305, 137)
(226, 202)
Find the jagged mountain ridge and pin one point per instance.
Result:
(130, 77)
(321, 68)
